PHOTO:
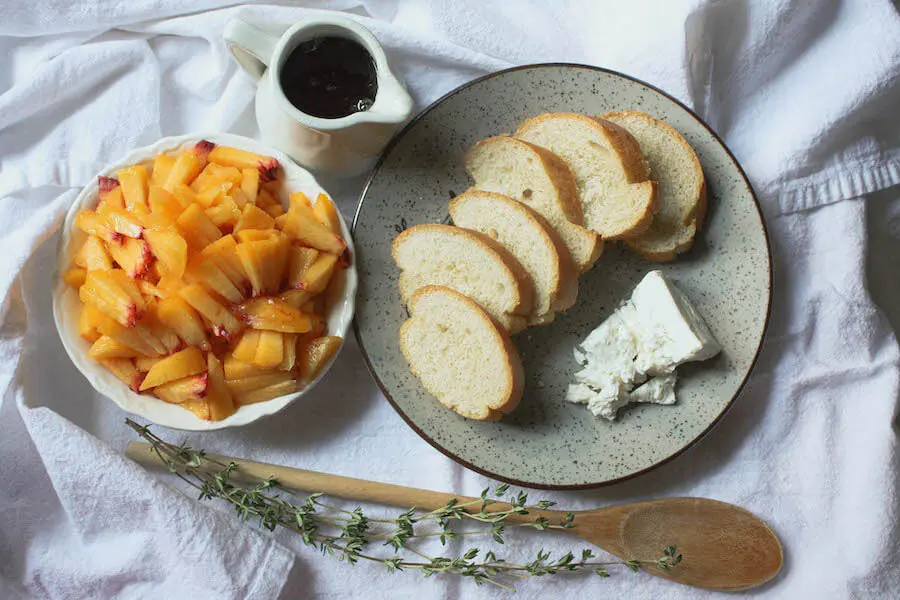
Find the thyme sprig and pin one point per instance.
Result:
(350, 535)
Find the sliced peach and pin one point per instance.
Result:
(301, 259)
(264, 394)
(184, 195)
(295, 298)
(239, 197)
(166, 335)
(88, 320)
(177, 366)
(256, 235)
(162, 166)
(253, 217)
(197, 228)
(269, 353)
(134, 181)
(205, 272)
(179, 316)
(222, 322)
(256, 382)
(145, 363)
(214, 175)
(250, 184)
(150, 290)
(245, 350)
(313, 356)
(75, 276)
(318, 275)
(93, 255)
(269, 204)
(302, 226)
(223, 253)
(104, 290)
(134, 256)
(238, 369)
(186, 168)
(271, 314)
(124, 369)
(264, 262)
(181, 391)
(202, 149)
(105, 185)
(198, 406)
(218, 394)
(164, 205)
(289, 353)
(214, 194)
(137, 337)
(112, 200)
(301, 199)
(95, 224)
(327, 214)
(225, 214)
(122, 222)
(107, 347)
(170, 249)
(279, 221)
(241, 159)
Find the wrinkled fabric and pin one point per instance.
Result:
(803, 93)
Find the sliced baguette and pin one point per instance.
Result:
(470, 263)
(528, 237)
(681, 188)
(538, 178)
(463, 358)
(617, 198)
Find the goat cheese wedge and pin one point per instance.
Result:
(632, 356)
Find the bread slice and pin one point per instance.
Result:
(463, 358)
(469, 262)
(527, 236)
(617, 198)
(538, 178)
(681, 188)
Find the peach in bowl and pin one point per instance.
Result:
(204, 282)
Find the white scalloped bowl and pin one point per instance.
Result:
(339, 302)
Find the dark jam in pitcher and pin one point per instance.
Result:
(329, 77)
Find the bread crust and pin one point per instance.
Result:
(628, 153)
(695, 218)
(564, 277)
(524, 290)
(567, 191)
(515, 374)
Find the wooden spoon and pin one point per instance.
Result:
(725, 547)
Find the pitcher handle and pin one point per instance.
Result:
(251, 47)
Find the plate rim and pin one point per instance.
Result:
(576, 486)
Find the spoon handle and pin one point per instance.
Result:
(336, 485)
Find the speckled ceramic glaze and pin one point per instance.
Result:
(548, 442)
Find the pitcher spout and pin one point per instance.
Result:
(393, 104)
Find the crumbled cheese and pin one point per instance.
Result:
(652, 333)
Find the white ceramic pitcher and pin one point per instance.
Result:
(345, 146)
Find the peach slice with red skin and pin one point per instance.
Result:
(242, 159)
(93, 223)
(106, 185)
(134, 256)
(124, 369)
(180, 391)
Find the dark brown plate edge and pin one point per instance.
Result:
(572, 486)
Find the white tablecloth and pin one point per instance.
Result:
(804, 94)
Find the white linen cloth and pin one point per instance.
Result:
(805, 95)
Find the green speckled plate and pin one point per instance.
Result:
(548, 442)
